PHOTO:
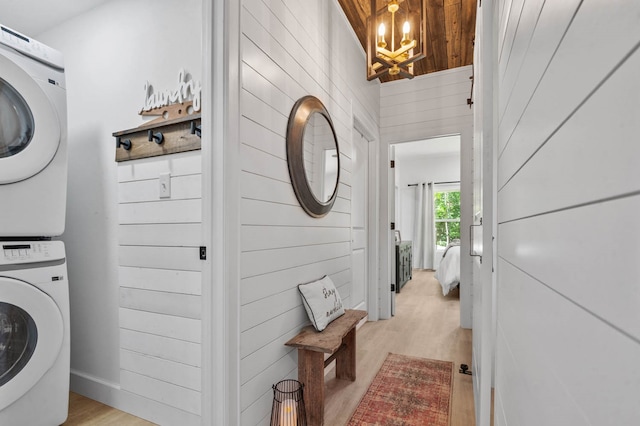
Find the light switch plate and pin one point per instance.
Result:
(165, 185)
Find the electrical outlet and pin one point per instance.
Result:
(165, 185)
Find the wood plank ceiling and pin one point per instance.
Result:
(451, 26)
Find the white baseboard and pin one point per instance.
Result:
(111, 394)
(94, 387)
(360, 306)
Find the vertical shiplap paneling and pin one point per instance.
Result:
(160, 282)
(290, 49)
(568, 197)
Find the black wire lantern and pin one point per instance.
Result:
(288, 404)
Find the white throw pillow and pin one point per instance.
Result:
(321, 301)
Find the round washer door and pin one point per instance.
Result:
(29, 126)
(31, 333)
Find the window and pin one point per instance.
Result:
(446, 205)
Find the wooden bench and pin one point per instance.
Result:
(338, 340)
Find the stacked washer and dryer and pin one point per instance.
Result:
(34, 289)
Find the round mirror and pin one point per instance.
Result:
(313, 156)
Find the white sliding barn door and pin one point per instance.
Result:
(484, 213)
(359, 222)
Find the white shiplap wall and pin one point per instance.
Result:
(568, 332)
(109, 53)
(290, 49)
(426, 107)
(160, 286)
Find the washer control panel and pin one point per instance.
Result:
(30, 47)
(30, 252)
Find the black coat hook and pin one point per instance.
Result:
(126, 144)
(157, 137)
(196, 130)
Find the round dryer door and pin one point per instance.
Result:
(31, 333)
(29, 126)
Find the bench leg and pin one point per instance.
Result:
(311, 374)
(346, 360)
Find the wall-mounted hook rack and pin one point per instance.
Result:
(196, 130)
(156, 137)
(176, 136)
(126, 143)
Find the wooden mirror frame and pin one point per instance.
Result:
(301, 112)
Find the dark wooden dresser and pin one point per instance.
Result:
(403, 263)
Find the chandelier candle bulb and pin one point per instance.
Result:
(405, 33)
(381, 42)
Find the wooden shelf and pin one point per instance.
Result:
(177, 137)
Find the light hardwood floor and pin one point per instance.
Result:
(426, 324)
(85, 411)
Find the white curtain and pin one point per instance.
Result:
(424, 227)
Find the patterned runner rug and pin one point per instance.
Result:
(407, 391)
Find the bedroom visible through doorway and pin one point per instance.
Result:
(427, 203)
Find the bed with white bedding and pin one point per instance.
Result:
(448, 273)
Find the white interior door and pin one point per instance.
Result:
(359, 220)
(484, 209)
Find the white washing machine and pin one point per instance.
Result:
(34, 333)
(33, 138)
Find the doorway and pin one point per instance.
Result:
(427, 202)
(359, 220)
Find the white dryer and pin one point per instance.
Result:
(33, 138)
(34, 333)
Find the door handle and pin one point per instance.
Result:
(471, 242)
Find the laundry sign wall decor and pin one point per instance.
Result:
(176, 128)
(187, 89)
